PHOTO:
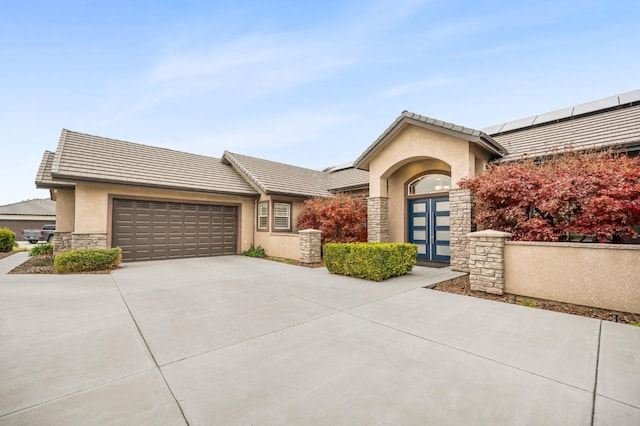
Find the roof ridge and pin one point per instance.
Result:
(229, 156)
(277, 162)
(138, 144)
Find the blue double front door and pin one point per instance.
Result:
(429, 228)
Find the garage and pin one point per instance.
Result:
(155, 230)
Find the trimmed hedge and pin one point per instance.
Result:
(7, 239)
(86, 260)
(371, 261)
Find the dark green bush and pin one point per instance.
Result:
(7, 239)
(255, 252)
(42, 250)
(371, 261)
(85, 260)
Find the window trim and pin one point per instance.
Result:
(266, 215)
(273, 222)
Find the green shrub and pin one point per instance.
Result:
(85, 260)
(371, 261)
(255, 252)
(42, 250)
(7, 239)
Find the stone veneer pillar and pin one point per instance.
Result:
(96, 240)
(486, 261)
(310, 246)
(378, 219)
(61, 241)
(460, 211)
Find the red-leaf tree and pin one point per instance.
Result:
(342, 219)
(593, 194)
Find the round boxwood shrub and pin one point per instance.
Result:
(86, 260)
(7, 239)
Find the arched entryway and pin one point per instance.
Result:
(428, 215)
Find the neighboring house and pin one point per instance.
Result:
(30, 214)
(157, 203)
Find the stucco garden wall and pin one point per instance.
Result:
(92, 207)
(599, 275)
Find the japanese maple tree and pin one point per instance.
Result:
(342, 219)
(594, 194)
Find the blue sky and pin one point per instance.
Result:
(305, 83)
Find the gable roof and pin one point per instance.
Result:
(406, 118)
(36, 207)
(272, 177)
(609, 122)
(83, 157)
(44, 178)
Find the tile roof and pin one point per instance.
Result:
(85, 157)
(611, 128)
(272, 177)
(345, 179)
(37, 207)
(43, 177)
(407, 117)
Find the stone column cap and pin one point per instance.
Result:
(310, 231)
(489, 233)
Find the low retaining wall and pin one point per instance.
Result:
(598, 275)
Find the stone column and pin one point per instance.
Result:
(310, 246)
(61, 241)
(378, 219)
(486, 261)
(96, 240)
(460, 211)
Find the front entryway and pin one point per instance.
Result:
(429, 228)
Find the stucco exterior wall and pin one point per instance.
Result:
(276, 243)
(413, 144)
(599, 275)
(92, 210)
(65, 210)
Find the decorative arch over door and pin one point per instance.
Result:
(429, 222)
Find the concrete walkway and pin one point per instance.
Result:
(235, 340)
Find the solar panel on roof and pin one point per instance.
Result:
(611, 101)
(629, 97)
(553, 115)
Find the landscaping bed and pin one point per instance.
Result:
(460, 285)
(44, 265)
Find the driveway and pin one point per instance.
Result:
(236, 340)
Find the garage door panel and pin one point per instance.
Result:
(147, 230)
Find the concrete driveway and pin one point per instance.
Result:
(235, 340)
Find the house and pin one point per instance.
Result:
(157, 203)
(30, 214)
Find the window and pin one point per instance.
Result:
(263, 216)
(427, 184)
(282, 216)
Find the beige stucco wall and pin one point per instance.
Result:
(65, 210)
(281, 244)
(92, 206)
(599, 275)
(412, 152)
(412, 144)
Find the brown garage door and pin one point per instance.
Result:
(150, 230)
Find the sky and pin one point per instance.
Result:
(309, 83)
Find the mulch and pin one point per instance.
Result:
(460, 285)
(43, 265)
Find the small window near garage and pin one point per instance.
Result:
(429, 183)
(263, 216)
(282, 216)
